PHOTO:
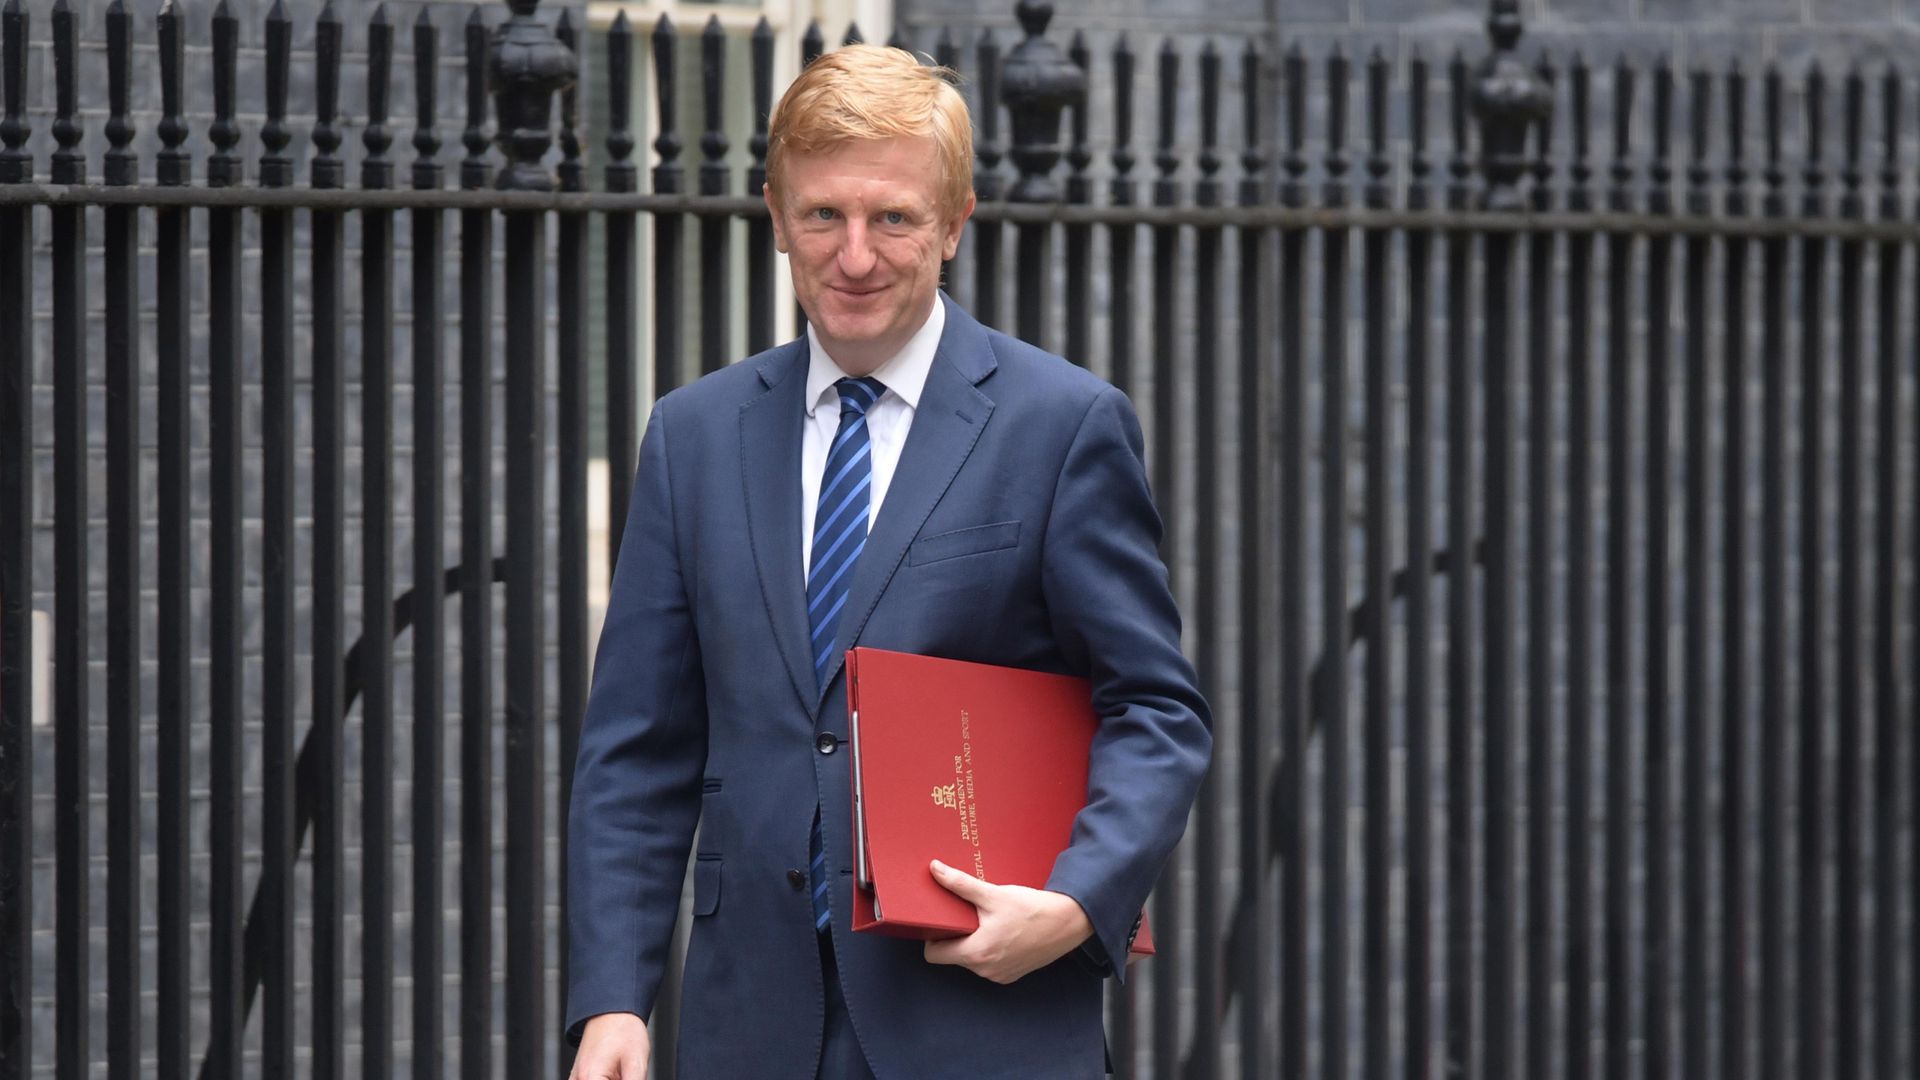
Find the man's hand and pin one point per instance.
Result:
(1021, 930)
(614, 1046)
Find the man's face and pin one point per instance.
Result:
(865, 236)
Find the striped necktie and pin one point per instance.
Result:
(839, 535)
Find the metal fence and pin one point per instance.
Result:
(1543, 517)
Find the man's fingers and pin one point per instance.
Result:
(962, 884)
(944, 952)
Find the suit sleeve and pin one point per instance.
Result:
(643, 747)
(1114, 618)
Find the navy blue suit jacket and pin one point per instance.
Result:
(1018, 530)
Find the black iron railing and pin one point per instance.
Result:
(1542, 512)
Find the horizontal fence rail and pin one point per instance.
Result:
(1539, 444)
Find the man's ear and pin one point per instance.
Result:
(773, 214)
(958, 225)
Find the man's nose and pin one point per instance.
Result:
(856, 251)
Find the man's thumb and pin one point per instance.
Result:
(960, 883)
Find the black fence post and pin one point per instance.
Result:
(716, 229)
(376, 581)
(988, 236)
(1509, 102)
(270, 928)
(16, 555)
(1037, 84)
(623, 394)
(71, 615)
(226, 698)
(529, 65)
(173, 562)
(429, 567)
(123, 563)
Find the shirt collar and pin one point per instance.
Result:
(904, 375)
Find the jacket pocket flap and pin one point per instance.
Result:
(706, 885)
(969, 541)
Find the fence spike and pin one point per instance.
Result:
(276, 168)
(1813, 193)
(1890, 143)
(1080, 153)
(713, 76)
(1292, 192)
(375, 170)
(223, 165)
(1736, 129)
(668, 176)
(1699, 174)
(1460, 102)
(1853, 124)
(986, 179)
(16, 162)
(1253, 160)
(426, 82)
(572, 170)
(1165, 188)
(1206, 192)
(946, 51)
(762, 53)
(69, 161)
(854, 37)
(621, 173)
(173, 165)
(1660, 170)
(1379, 76)
(1419, 168)
(474, 170)
(812, 43)
(1120, 188)
(326, 169)
(1622, 172)
(1773, 93)
(123, 165)
(1339, 85)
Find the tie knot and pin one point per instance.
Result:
(858, 395)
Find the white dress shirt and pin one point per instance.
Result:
(888, 419)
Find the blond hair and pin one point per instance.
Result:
(875, 92)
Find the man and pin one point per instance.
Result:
(902, 478)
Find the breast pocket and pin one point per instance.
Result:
(977, 540)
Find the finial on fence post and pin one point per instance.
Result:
(16, 162)
(69, 160)
(1508, 99)
(223, 165)
(529, 66)
(1037, 83)
(122, 163)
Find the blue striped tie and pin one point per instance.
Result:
(839, 535)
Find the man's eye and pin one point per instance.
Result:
(895, 217)
(824, 213)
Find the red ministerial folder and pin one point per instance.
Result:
(979, 766)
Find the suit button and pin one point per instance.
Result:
(797, 879)
(826, 742)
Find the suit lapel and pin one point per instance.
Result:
(946, 426)
(770, 469)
